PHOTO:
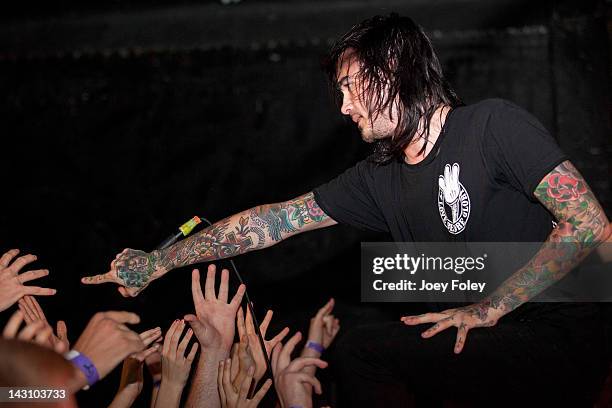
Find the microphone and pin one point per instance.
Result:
(184, 230)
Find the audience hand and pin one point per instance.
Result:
(241, 355)
(213, 323)
(175, 365)
(132, 378)
(36, 332)
(293, 384)
(107, 341)
(323, 329)
(232, 397)
(11, 282)
(32, 312)
(248, 330)
(153, 362)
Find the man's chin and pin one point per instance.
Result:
(367, 137)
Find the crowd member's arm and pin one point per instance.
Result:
(256, 228)
(132, 380)
(106, 341)
(293, 384)
(237, 396)
(153, 362)
(213, 325)
(32, 312)
(175, 365)
(581, 226)
(12, 286)
(324, 327)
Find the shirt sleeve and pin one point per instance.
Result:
(348, 199)
(520, 151)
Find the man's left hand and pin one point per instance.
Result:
(463, 318)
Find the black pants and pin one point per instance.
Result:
(548, 355)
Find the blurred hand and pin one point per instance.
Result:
(248, 329)
(293, 384)
(32, 312)
(134, 270)
(243, 359)
(153, 362)
(107, 341)
(11, 282)
(323, 329)
(36, 332)
(232, 397)
(175, 365)
(213, 323)
(132, 381)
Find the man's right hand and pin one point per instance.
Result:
(134, 270)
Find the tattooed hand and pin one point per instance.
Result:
(481, 314)
(133, 269)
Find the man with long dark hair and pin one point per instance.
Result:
(441, 171)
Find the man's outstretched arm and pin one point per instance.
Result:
(255, 228)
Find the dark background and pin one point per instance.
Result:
(122, 119)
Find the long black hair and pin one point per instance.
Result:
(397, 64)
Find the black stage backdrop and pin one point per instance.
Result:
(107, 147)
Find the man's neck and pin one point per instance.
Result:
(413, 152)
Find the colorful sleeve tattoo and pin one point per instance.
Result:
(581, 226)
(249, 230)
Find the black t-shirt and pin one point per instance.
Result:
(476, 184)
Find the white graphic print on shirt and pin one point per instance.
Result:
(452, 194)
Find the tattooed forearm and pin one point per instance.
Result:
(257, 228)
(249, 230)
(582, 225)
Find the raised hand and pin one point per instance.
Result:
(132, 378)
(293, 384)
(36, 332)
(248, 329)
(153, 362)
(107, 341)
(237, 397)
(134, 270)
(32, 312)
(324, 327)
(175, 365)
(464, 318)
(243, 360)
(12, 283)
(213, 323)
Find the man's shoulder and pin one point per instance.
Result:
(370, 166)
(367, 171)
(491, 105)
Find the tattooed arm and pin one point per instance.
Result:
(581, 226)
(256, 228)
